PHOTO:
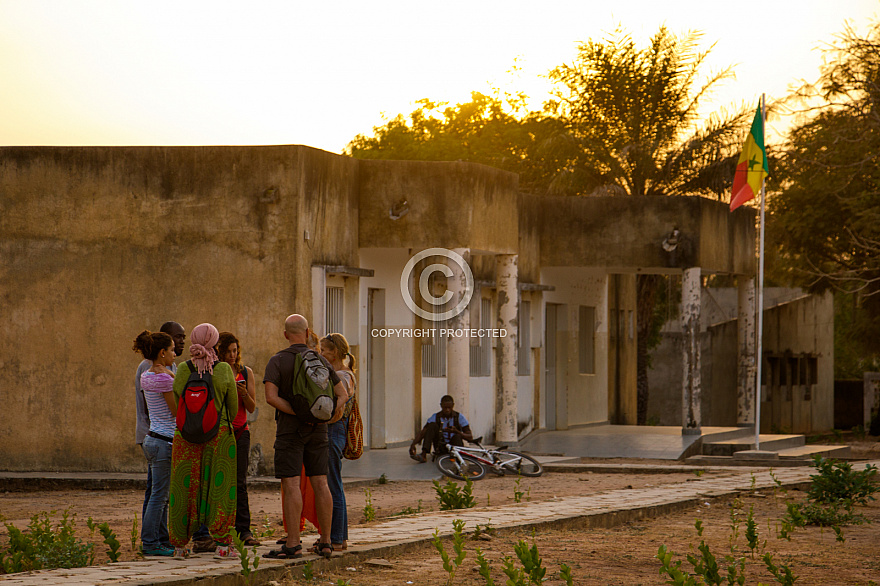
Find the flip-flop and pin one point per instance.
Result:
(285, 553)
(252, 542)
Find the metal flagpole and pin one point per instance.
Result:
(760, 331)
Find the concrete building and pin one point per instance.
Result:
(99, 243)
(797, 389)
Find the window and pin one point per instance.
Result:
(524, 340)
(333, 310)
(434, 348)
(434, 355)
(586, 342)
(481, 354)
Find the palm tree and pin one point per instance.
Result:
(633, 126)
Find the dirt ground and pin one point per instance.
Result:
(625, 555)
(118, 508)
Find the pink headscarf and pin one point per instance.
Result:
(204, 337)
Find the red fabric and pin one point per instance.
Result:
(240, 421)
(309, 510)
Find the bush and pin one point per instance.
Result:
(45, 547)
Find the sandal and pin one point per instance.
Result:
(252, 542)
(323, 549)
(281, 541)
(285, 553)
(339, 546)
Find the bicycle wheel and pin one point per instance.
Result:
(522, 464)
(451, 468)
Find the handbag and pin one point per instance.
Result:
(354, 438)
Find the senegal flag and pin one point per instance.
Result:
(752, 165)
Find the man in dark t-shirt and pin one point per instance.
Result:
(299, 444)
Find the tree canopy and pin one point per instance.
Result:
(633, 119)
(826, 214)
(488, 129)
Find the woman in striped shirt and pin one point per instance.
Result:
(157, 386)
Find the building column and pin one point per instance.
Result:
(458, 348)
(506, 280)
(745, 356)
(691, 301)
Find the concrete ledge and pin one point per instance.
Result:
(48, 481)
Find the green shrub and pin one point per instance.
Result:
(452, 497)
(45, 547)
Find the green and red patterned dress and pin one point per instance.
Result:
(203, 483)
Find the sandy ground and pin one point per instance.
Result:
(119, 508)
(625, 555)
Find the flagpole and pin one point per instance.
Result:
(760, 332)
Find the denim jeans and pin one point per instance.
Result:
(154, 532)
(148, 491)
(339, 527)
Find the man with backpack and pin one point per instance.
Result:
(447, 426)
(307, 395)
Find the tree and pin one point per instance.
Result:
(632, 126)
(488, 130)
(826, 215)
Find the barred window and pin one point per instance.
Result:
(333, 310)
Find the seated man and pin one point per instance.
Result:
(446, 427)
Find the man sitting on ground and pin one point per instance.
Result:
(448, 426)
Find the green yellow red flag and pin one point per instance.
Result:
(752, 168)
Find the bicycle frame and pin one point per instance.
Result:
(492, 459)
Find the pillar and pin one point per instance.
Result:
(458, 348)
(691, 301)
(745, 354)
(506, 279)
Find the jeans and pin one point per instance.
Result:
(149, 489)
(154, 532)
(242, 508)
(339, 527)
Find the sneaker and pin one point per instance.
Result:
(180, 553)
(159, 550)
(204, 545)
(224, 552)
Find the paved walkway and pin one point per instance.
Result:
(385, 538)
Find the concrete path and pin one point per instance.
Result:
(395, 535)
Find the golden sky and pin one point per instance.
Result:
(110, 72)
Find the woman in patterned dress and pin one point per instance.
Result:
(203, 476)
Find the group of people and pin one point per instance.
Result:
(199, 490)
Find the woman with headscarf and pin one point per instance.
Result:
(203, 475)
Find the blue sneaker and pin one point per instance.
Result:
(159, 550)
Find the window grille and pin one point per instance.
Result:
(480, 355)
(333, 310)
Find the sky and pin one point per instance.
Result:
(112, 72)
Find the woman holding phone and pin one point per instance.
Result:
(229, 351)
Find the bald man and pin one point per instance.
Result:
(299, 444)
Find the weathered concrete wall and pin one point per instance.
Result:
(625, 233)
(451, 205)
(802, 326)
(101, 243)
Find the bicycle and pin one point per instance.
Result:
(464, 463)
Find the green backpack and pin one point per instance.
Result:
(312, 396)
